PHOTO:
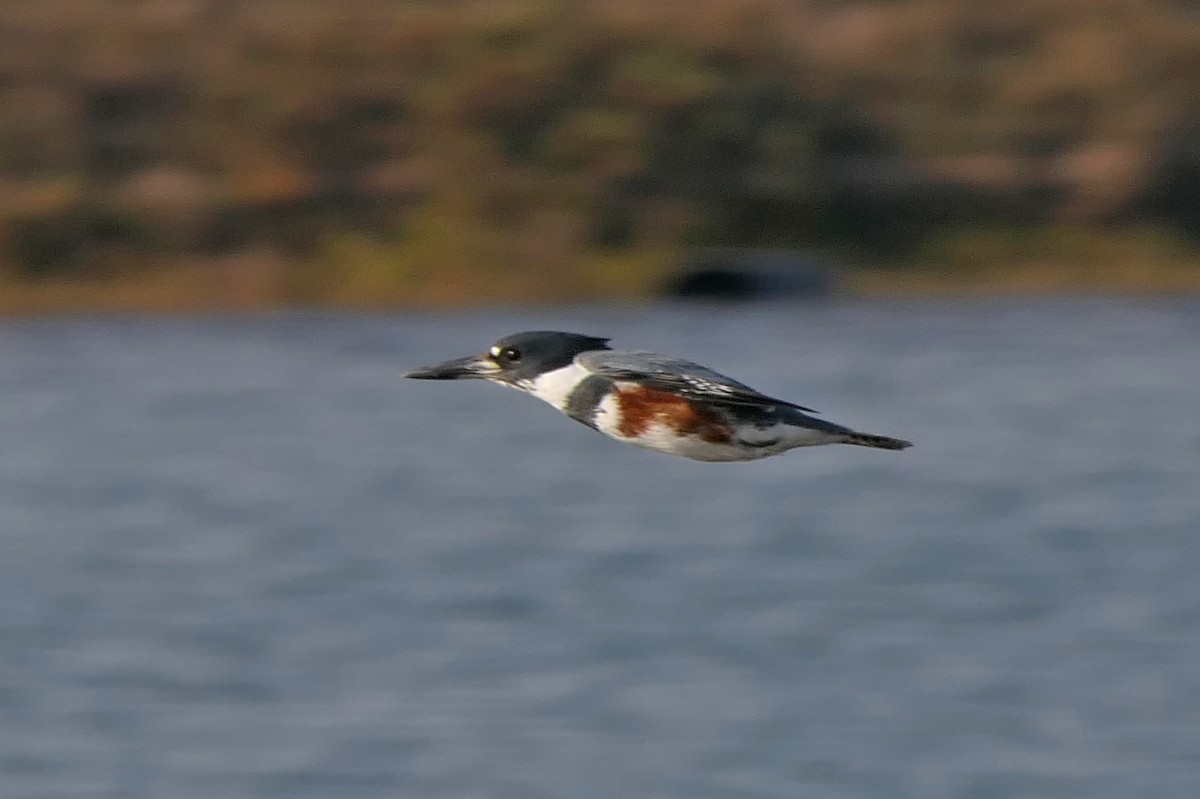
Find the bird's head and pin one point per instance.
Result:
(515, 360)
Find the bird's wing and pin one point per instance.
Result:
(682, 377)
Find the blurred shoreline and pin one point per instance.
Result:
(188, 155)
(207, 288)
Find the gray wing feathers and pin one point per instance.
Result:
(675, 374)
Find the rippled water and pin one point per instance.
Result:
(243, 558)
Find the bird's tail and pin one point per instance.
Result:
(872, 440)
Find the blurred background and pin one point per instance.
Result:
(176, 154)
(240, 557)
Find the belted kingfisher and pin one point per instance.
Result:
(651, 401)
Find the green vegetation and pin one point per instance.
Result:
(380, 153)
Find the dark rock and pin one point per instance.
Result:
(750, 275)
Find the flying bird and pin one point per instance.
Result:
(648, 400)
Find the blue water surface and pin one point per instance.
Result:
(241, 557)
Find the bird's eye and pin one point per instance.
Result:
(505, 355)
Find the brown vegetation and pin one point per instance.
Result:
(250, 153)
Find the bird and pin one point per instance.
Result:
(652, 401)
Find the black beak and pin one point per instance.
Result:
(472, 366)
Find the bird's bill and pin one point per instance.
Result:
(472, 366)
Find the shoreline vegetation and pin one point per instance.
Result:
(238, 155)
(1123, 265)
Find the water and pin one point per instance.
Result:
(242, 558)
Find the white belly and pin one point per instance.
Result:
(748, 445)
